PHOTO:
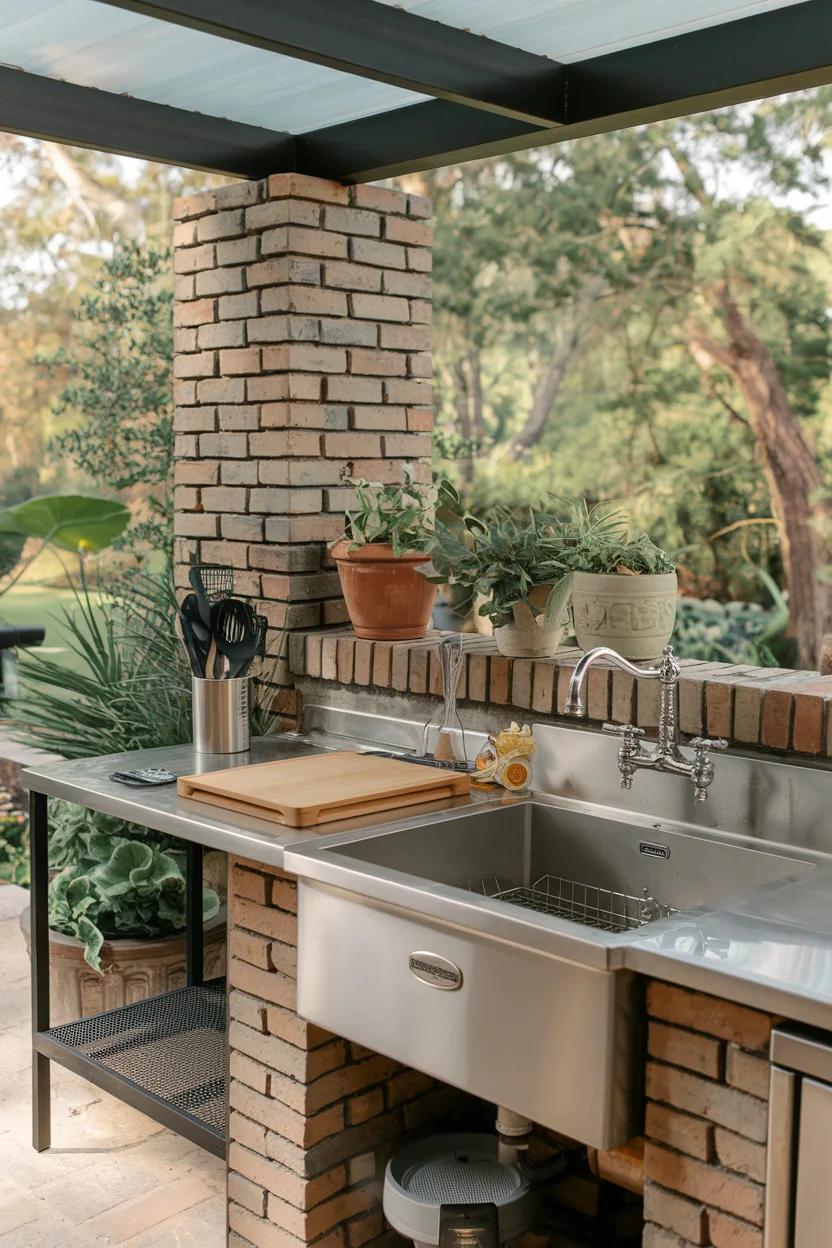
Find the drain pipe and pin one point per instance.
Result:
(513, 1135)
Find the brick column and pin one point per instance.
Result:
(313, 1119)
(302, 334)
(707, 1115)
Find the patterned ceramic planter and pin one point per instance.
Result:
(529, 637)
(632, 614)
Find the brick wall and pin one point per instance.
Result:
(759, 706)
(706, 1124)
(302, 333)
(312, 1118)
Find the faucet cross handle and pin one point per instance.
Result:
(702, 771)
(628, 751)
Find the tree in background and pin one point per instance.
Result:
(643, 316)
(117, 396)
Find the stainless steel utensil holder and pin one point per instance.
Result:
(221, 715)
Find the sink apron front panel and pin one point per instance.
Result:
(546, 1037)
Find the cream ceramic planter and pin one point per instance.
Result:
(529, 637)
(632, 614)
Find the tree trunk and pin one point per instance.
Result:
(791, 471)
(468, 402)
(552, 378)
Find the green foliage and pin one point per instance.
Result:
(119, 388)
(503, 557)
(115, 880)
(400, 515)
(499, 557)
(132, 686)
(70, 521)
(596, 539)
(723, 632)
(14, 850)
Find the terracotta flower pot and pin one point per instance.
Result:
(388, 600)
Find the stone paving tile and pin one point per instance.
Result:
(113, 1176)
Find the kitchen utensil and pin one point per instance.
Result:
(221, 715)
(450, 740)
(189, 610)
(235, 631)
(212, 582)
(195, 655)
(422, 761)
(318, 788)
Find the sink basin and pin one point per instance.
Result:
(486, 947)
(510, 851)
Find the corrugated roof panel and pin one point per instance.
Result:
(94, 45)
(572, 30)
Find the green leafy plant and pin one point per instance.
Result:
(598, 540)
(14, 850)
(403, 516)
(501, 558)
(115, 880)
(73, 522)
(119, 388)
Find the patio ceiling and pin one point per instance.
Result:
(363, 89)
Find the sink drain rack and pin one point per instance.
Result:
(601, 908)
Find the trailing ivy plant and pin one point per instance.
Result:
(402, 516)
(115, 880)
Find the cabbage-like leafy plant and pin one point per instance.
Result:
(115, 880)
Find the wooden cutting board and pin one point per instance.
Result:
(320, 788)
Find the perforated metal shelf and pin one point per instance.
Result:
(169, 1051)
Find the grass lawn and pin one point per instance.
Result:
(27, 603)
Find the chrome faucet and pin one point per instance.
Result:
(667, 754)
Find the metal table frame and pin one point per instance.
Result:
(46, 1048)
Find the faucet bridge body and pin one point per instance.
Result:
(666, 754)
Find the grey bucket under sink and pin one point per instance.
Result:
(485, 947)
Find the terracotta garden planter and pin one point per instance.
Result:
(387, 599)
(133, 969)
(633, 614)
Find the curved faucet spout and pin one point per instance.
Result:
(574, 704)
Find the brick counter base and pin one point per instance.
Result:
(706, 1126)
(775, 708)
(313, 1118)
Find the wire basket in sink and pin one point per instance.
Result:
(601, 908)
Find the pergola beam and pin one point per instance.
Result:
(45, 108)
(378, 41)
(769, 53)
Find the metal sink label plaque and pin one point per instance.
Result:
(435, 971)
(652, 850)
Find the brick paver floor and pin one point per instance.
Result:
(113, 1177)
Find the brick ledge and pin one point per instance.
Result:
(776, 708)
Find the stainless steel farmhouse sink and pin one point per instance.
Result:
(486, 947)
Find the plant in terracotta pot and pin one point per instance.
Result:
(512, 572)
(623, 587)
(386, 537)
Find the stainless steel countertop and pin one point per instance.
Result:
(771, 950)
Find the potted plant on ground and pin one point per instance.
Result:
(515, 569)
(623, 587)
(387, 535)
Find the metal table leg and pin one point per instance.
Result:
(193, 916)
(39, 848)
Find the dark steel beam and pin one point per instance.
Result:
(45, 108)
(381, 42)
(784, 50)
